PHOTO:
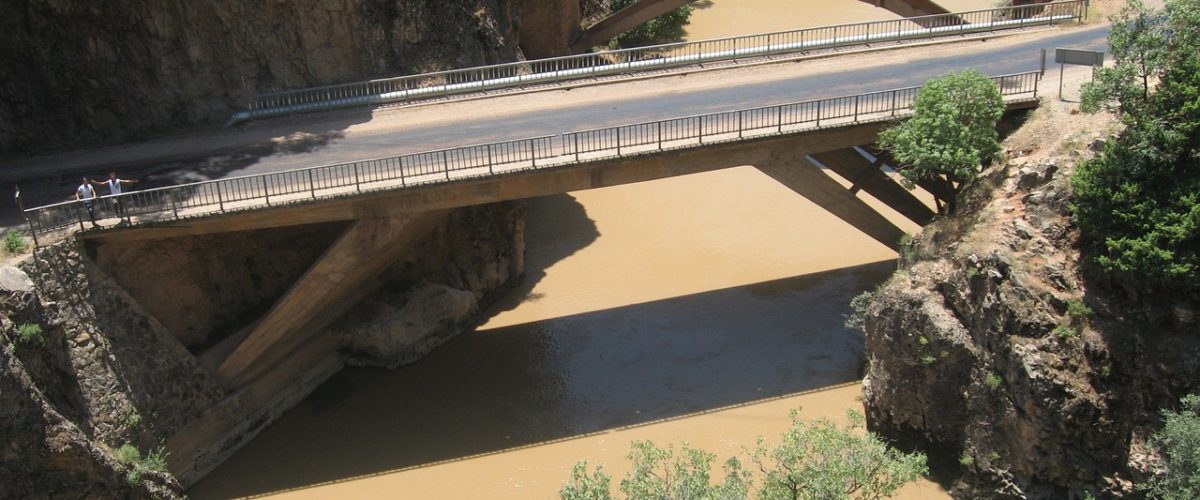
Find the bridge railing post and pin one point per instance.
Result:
(446, 164)
(266, 191)
(894, 94)
(489, 151)
(357, 184)
(220, 198)
(618, 141)
(312, 186)
(576, 147)
(819, 112)
(740, 113)
(856, 108)
(532, 152)
(174, 205)
(701, 129)
(660, 135)
(780, 109)
(79, 213)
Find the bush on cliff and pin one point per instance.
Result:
(1179, 442)
(951, 134)
(1137, 203)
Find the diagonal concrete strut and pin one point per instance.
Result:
(801, 176)
(342, 275)
(624, 20)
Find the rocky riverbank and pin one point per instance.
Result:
(994, 346)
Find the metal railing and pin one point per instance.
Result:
(559, 69)
(455, 164)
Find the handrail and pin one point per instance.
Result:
(500, 158)
(558, 69)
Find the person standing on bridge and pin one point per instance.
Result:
(114, 189)
(87, 194)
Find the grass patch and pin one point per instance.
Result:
(1078, 311)
(993, 381)
(30, 334)
(966, 460)
(139, 464)
(1064, 331)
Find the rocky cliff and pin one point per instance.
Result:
(77, 73)
(993, 347)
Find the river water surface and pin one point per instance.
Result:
(699, 308)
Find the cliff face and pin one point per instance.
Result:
(992, 346)
(77, 73)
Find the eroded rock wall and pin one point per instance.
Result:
(992, 347)
(102, 374)
(76, 73)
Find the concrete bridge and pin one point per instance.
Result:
(391, 200)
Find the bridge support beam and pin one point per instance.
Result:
(800, 175)
(346, 272)
(917, 8)
(866, 175)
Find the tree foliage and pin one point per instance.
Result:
(1179, 442)
(821, 461)
(1137, 203)
(662, 29)
(951, 134)
(817, 460)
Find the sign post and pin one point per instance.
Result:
(1078, 57)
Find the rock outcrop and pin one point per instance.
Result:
(79, 73)
(992, 346)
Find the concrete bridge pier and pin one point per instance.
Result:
(345, 273)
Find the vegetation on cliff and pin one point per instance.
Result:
(813, 460)
(1137, 203)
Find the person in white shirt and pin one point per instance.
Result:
(114, 188)
(86, 193)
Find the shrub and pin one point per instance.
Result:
(1179, 442)
(812, 460)
(1064, 331)
(1078, 311)
(856, 318)
(14, 242)
(30, 334)
(155, 461)
(993, 381)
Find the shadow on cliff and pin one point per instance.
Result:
(530, 384)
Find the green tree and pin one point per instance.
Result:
(586, 485)
(667, 474)
(1135, 40)
(1179, 442)
(1137, 203)
(951, 134)
(820, 460)
(662, 29)
(812, 461)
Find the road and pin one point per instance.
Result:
(317, 139)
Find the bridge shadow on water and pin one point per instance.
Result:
(520, 385)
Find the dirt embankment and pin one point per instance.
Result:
(75, 73)
(993, 346)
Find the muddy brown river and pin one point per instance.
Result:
(696, 309)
